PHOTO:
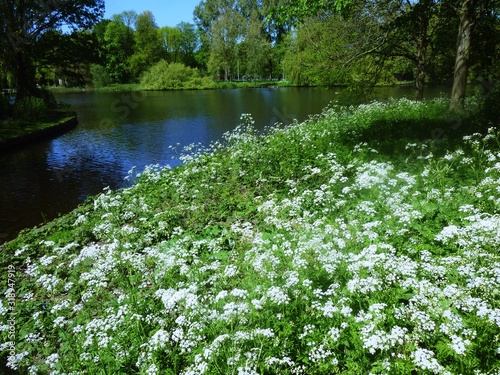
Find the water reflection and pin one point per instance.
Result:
(118, 131)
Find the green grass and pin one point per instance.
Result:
(216, 85)
(252, 84)
(364, 240)
(11, 130)
(116, 87)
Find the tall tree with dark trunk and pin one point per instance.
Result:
(23, 23)
(467, 18)
(417, 20)
(423, 14)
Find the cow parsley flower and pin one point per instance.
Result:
(276, 295)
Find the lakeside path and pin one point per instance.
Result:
(14, 135)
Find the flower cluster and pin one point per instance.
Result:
(343, 261)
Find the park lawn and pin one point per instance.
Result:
(361, 241)
(14, 133)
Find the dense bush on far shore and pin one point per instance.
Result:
(173, 76)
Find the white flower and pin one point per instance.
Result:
(334, 333)
(424, 359)
(47, 260)
(276, 295)
(159, 339)
(240, 293)
(459, 345)
(59, 322)
(14, 360)
(230, 271)
(49, 282)
(80, 220)
(152, 370)
(266, 332)
(52, 360)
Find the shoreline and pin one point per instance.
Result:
(37, 131)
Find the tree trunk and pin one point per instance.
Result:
(423, 11)
(466, 15)
(421, 68)
(24, 77)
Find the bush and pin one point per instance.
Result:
(491, 110)
(100, 76)
(30, 108)
(172, 76)
(5, 107)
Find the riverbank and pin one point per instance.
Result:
(138, 87)
(14, 134)
(364, 240)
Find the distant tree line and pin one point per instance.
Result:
(319, 42)
(129, 44)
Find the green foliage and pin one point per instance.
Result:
(100, 76)
(171, 41)
(165, 76)
(24, 33)
(331, 50)
(118, 46)
(5, 107)
(147, 43)
(225, 33)
(310, 249)
(30, 109)
(180, 43)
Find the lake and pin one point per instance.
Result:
(119, 131)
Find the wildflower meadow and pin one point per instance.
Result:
(364, 240)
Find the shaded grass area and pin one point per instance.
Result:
(363, 240)
(13, 133)
(118, 87)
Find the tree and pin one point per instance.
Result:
(408, 35)
(374, 33)
(147, 44)
(225, 33)
(256, 48)
(128, 18)
(65, 56)
(467, 18)
(471, 15)
(467, 12)
(99, 30)
(171, 41)
(330, 49)
(180, 43)
(190, 42)
(116, 54)
(229, 26)
(22, 25)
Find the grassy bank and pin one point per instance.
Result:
(13, 134)
(118, 87)
(364, 240)
(252, 84)
(139, 87)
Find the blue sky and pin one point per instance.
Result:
(166, 12)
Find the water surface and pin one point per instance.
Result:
(118, 131)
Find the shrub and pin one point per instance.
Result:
(5, 107)
(100, 76)
(172, 76)
(30, 108)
